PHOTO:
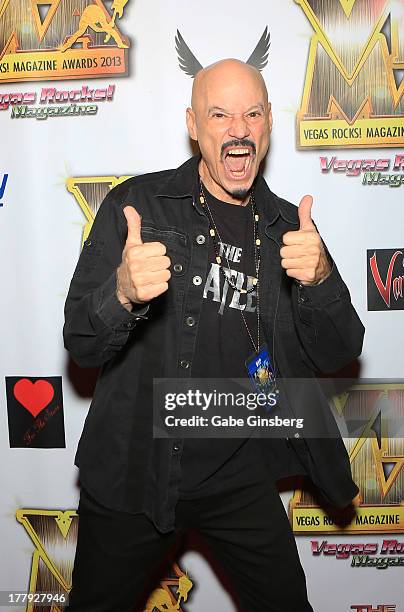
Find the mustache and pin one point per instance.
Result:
(244, 142)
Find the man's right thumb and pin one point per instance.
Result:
(134, 221)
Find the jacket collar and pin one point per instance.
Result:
(182, 184)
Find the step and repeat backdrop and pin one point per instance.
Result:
(94, 92)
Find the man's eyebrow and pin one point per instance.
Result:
(259, 105)
(213, 109)
(216, 108)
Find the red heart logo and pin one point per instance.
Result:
(33, 396)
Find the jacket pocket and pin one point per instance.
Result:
(178, 250)
(166, 235)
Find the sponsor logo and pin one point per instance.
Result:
(58, 39)
(54, 536)
(374, 171)
(353, 90)
(3, 184)
(389, 554)
(35, 412)
(384, 281)
(77, 102)
(377, 458)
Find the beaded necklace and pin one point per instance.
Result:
(216, 239)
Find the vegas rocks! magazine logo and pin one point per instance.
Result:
(376, 455)
(354, 85)
(60, 40)
(373, 172)
(390, 553)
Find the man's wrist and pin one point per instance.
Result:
(125, 301)
(318, 282)
(127, 304)
(120, 294)
(134, 307)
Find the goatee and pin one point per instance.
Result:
(240, 194)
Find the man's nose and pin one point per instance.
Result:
(239, 127)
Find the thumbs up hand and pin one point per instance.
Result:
(303, 255)
(144, 272)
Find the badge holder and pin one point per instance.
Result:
(262, 373)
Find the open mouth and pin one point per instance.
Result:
(237, 161)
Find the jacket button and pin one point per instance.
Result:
(297, 435)
(184, 364)
(177, 267)
(197, 280)
(303, 299)
(190, 321)
(200, 239)
(88, 243)
(176, 448)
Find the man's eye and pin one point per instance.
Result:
(218, 115)
(254, 114)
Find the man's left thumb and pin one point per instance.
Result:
(305, 212)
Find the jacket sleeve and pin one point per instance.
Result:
(328, 326)
(97, 326)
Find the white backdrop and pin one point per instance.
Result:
(143, 129)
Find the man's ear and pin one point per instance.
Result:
(191, 124)
(270, 120)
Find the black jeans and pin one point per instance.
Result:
(121, 557)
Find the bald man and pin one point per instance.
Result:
(202, 272)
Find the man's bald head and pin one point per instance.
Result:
(231, 120)
(221, 73)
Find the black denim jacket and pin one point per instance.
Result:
(309, 329)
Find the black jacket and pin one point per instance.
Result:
(310, 329)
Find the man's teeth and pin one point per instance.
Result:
(238, 152)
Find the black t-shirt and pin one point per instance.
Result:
(223, 343)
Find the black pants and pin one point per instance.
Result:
(119, 555)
